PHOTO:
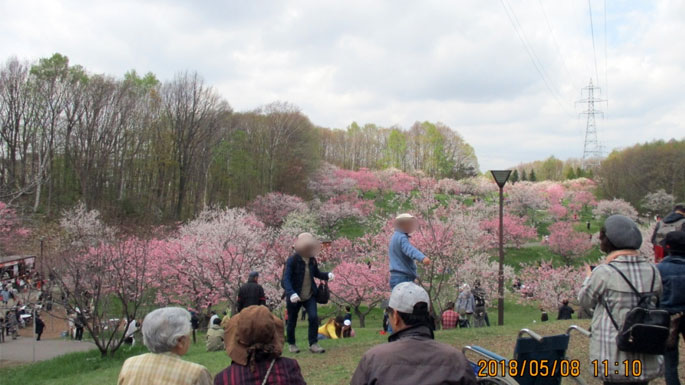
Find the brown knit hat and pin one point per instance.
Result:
(254, 329)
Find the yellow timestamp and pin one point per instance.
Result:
(627, 368)
(533, 368)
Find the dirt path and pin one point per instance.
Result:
(25, 350)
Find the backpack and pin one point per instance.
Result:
(324, 294)
(646, 328)
(665, 228)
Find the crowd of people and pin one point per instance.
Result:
(636, 307)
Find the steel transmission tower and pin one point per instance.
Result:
(592, 151)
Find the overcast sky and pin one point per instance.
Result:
(395, 62)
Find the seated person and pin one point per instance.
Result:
(215, 336)
(166, 333)
(332, 329)
(412, 356)
(347, 331)
(254, 341)
(450, 318)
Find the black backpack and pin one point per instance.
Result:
(646, 328)
(324, 294)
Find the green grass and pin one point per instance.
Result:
(532, 254)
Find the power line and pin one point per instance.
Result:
(606, 72)
(592, 31)
(556, 43)
(531, 53)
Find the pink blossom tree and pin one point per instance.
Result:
(516, 232)
(328, 181)
(549, 285)
(606, 208)
(11, 230)
(361, 278)
(211, 257)
(102, 276)
(524, 199)
(273, 208)
(558, 211)
(566, 242)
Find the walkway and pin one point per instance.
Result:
(21, 350)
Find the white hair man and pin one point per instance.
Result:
(166, 333)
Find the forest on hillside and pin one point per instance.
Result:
(138, 146)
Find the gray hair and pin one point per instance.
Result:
(163, 327)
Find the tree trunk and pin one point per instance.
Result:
(361, 316)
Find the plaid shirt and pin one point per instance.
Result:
(605, 284)
(285, 371)
(450, 319)
(162, 369)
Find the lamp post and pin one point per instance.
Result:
(501, 177)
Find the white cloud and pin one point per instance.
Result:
(392, 62)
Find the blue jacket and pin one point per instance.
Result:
(293, 276)
(403, 254)
(672, 269)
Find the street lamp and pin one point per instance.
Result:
(501, 177)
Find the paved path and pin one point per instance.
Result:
(21, 350)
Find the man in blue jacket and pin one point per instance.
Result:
(672, 269)
(403, 253)
(300, 289)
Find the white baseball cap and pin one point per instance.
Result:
(405, 295)
(347, 322)
(404, 216)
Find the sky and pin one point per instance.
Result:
(505, 74)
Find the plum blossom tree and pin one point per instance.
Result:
(365, 179)
(658, 202)
(211, 257)
(566, 242)
(516, 232)
(332, 213)
(10, 228)
(273, 208)
(524, 199)
(606, 208)
(549, 285)
(361, 278)
(301, 222)
(448, 186)
(558, 211)
(327, 182)
(101, 276)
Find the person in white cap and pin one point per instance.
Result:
(412, 356)
(300, 289)
(403, 253)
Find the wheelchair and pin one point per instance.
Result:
(537, 361)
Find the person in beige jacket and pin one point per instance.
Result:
(215, 336)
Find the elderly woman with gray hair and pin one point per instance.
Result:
(607, 291)
(166, 333)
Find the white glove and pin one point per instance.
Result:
(295, 298)
(331, 276)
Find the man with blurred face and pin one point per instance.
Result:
(300, 289)
(402, 253)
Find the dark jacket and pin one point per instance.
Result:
(670, 218)
(40, 326)
(413, 357)
(565, 312)
(250, 294)
(672, 269)
(293, 276)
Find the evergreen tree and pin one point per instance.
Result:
(524, 177)
(533, 178)
(514, 176)
(570, 174)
